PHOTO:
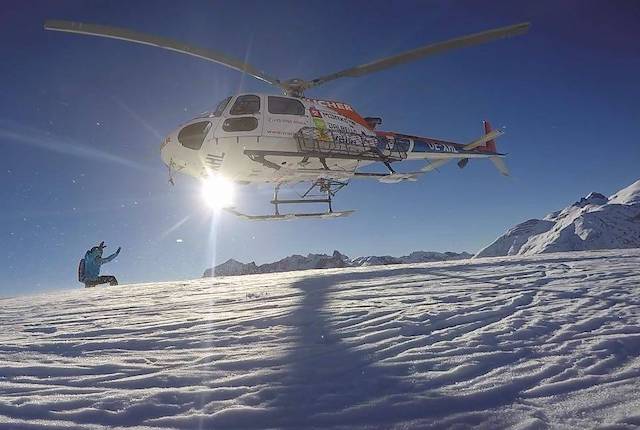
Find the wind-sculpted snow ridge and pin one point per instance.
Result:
(593, 222)
(547, 341)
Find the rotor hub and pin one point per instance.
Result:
(294, 87)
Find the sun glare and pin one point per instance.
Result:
(217, 192)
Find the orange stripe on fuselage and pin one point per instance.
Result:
(343, 109)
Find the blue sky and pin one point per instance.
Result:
(81, 120)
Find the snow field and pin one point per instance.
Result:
(547, 341)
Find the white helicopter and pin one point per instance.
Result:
(288, 138)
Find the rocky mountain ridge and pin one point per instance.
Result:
(296, 262)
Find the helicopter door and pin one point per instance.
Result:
(243, 119)
(284, 116)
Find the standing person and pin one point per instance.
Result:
(89, 269)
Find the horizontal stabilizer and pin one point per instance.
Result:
(494, 134)
(500, 165)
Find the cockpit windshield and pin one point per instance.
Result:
(221, 107)
(217, 112)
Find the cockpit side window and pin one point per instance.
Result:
(246, 105)
(285, 106)
(193, 135)
(221, 107)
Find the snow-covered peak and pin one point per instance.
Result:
(594, 198)
(593, 222)
(627, 196)
(232, 267)
(374, 260)
(426, 256)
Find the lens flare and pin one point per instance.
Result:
(217, 192)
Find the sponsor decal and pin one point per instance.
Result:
(344, 112)
(284, 126)
(315, 113)
(287, 121)
(319, 123)
(339, 118)
(342, 109)
(334, 105)
(341, 128)
(280, 132)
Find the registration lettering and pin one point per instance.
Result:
(441, 147)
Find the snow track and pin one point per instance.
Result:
(550, 341)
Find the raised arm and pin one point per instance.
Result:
(111, 257)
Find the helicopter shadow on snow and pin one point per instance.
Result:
(330, 382)
(326, 375)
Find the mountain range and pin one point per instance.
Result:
(593, 222)
(233, 267)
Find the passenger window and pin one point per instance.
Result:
(193, 135)
(246, 105)
(245, 123)
(221, 107)
(285, 106)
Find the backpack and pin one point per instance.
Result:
(81, 271)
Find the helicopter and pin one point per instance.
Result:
(286, 139)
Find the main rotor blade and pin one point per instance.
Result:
(415, 54)
(160, 42)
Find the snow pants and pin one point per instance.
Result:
(108, 279)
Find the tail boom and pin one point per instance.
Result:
(439, 152)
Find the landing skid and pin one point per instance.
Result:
(328, 189)
(287, 217)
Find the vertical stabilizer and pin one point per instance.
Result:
(500, 165)
(490, 146)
